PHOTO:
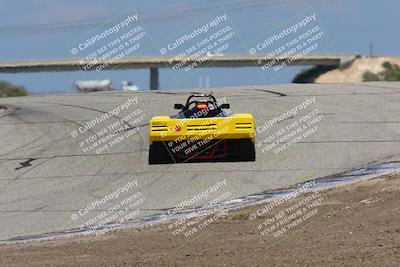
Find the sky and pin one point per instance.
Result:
(48, 29)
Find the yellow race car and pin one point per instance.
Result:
(202, 131)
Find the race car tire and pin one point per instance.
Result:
(247, 150)
(159, 154)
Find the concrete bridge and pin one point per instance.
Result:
(154, 63)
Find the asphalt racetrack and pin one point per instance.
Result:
(48, 179)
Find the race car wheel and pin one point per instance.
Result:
(247, 151)
(158, 154)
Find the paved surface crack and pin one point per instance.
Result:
(24, 164)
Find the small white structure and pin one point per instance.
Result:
(212, 54)
(93, 86)
(129, 86)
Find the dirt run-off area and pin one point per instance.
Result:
(354, 225)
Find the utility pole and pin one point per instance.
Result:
(371, 49)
